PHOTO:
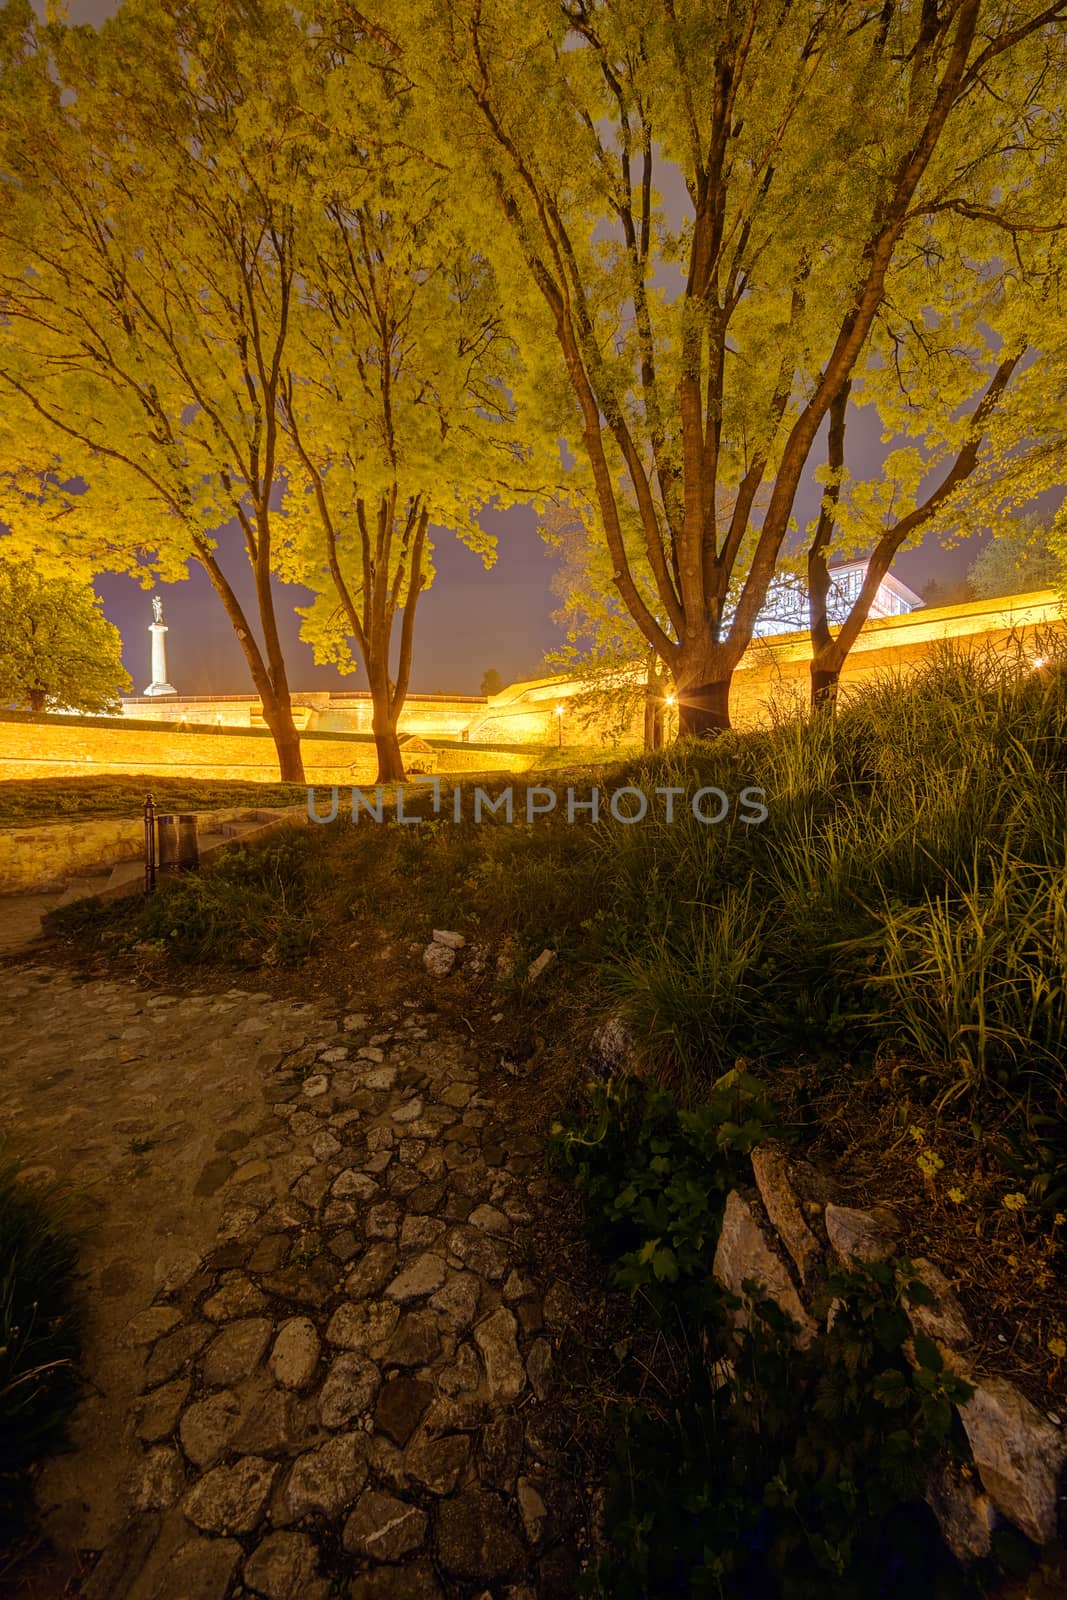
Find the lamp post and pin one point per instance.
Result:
(559, 726)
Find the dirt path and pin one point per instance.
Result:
(322, 1320)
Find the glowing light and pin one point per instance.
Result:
(670, 699)
(1038, 663)
(559, 711)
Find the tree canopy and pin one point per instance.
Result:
(246, 317)
(58, 652)
(715, 221)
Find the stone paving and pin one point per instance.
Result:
(320, 1354)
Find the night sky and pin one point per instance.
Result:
(469, 621)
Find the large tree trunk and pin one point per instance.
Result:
(383, 724)
(653, 723)
(278, 715)
(655, 683)
(825, 678)
(277, 706)
(704, 708)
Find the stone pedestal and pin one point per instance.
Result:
(159, 684)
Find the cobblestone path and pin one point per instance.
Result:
(320, 1348)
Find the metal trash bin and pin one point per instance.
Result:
(179, 848)
(188, 844)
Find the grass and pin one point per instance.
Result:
(39, 1336)
(27, 803)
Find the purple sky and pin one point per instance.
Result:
(469, 621)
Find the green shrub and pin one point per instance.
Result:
(653, 1177)
(39, 1335)
(256, 902)
(771, 1471)
(790, 1474)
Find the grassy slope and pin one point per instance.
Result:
(27, 803)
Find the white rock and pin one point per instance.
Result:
(782, 1207)
(1018, 1455)
(866, 1235)
(175, 1268)
(965, 1515)
(380, 1078)
(742, 1252)
(408, 1112)
(540, 966)
(350, 1390)
(438, 959)
(231, 1499)
(425, 1275)
(495, 1337)
(328, 1479)
(160, 1480)
(531, 1508)
(362, 1325)
(452, 941)
(944, 1322)
(353, 1185)
(324, 1145)
(208, 1426)
(315, 1085)
(285, 1567)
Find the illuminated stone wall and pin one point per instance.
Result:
(225, 739)
(50, 747)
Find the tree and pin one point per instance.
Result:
(622, 679)
(57, 649)
(702, 356)
(492, 683)
(398, 400)
(1017, 560)
(146, 284)
(936, 593)
(830, 650)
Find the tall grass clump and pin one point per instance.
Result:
(39, 1337)
(907, 885)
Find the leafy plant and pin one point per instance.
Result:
(653, 1178)
(786, 1473)
(40, 1330)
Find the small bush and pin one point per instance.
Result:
(257, 902)
(39, 1335)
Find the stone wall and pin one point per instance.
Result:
(224, 737)
(773, 672)
(54, 747)
(783, 1232)
(44, 857)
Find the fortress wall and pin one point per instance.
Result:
(775, 671)
(45, 747)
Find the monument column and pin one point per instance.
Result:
(158, 630)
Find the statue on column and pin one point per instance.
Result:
(158, 629)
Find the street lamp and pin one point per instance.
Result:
(559, 726)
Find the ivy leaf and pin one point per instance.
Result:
(891, 1388)
(927, 1353)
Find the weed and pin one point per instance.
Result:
(39, 1335)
